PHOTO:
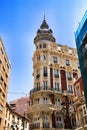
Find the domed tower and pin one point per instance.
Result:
(49, 63)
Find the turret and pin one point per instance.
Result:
(44, 33)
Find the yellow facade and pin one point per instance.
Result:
(4, 79)
(49, 61)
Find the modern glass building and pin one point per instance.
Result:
(81, 42)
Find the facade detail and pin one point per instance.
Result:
(79, 101)
(4, 79)
(81, 42)
(55, 68)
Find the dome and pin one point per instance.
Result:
(44, 33)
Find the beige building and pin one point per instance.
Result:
(14, 120)
(55, 67)
(79, 101)
(4, 79)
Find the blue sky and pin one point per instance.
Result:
(19, 21)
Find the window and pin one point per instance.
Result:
(45, 122)
(45, 118)
(67, 62)
(70, 102)
(69, 76)
(45, 84)
(37, 101)
(37, 73)
(78, 92)
(1, 51)
(70, 90)
(44, 45)
(38, 85)
(7, 66)
(58, 118)
(5, 85)
(6, 75)
(44, 57)
(78, 65)
(3, 68)
(55, 59)
(45, 100)
(5, 59)
(1, 79)
(57, 86)
(56, 73)
(57, 101)
(84, 110)
(45, 71)
(38, 58)
(40, 46)
(1, 107)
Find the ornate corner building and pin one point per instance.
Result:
(4, 79)
(55, 67)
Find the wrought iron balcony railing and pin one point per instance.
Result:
(37, 89)
(56, 75)
(69, 78)
(45, 124)
(34, 126)
(59, 124)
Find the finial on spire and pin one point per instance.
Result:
(44, 15)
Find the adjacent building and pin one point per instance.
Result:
(80, 106)
(4, 80)
(55, 68)
(81, 42)
(14, 120)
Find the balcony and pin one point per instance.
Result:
(69, 78)
(34, 126)
(38, 89)
(45, 124)
(67, 64)
(41, 107)
(58, 90)
(55, 61)
(59, 124)
(70, 91)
